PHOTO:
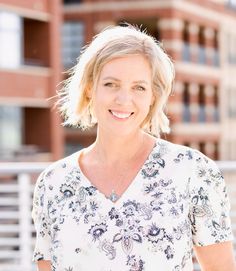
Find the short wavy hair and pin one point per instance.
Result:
(115, 42)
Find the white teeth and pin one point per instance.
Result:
(121, 115)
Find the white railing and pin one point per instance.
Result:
(16, 228)
(17, 235)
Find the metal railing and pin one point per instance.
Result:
(17, 235)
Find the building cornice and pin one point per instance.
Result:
(25, 102)
(114, 6)
(26, 13)
(193, 69)
(29, 70)
(188, 7)
(196, 128)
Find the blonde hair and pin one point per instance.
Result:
(114, 42)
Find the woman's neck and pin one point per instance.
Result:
(111, 149)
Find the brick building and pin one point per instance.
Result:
(30, 68)
(200, 36)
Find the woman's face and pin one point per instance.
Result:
(123, 95)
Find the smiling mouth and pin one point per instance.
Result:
(121, 115)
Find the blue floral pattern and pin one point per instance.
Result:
(177, 200)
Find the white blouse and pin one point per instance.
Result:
(178, 199)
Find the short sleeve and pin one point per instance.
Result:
(40, 218)
(209, 203)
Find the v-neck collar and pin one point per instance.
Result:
(75, 159)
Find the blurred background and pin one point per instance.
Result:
(41, 39)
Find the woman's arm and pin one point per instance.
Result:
(44, 265)
(217, 257)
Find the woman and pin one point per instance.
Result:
(130, 201)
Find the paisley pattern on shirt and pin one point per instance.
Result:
(177, 200)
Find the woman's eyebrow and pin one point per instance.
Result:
(141, 82)
(110, 78)
(115, 79)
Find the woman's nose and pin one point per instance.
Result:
(124, 97)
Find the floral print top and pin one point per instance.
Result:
(178, 199)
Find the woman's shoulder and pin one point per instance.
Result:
(60, 167)
(171, 148)
(180, 153)
(201, 170)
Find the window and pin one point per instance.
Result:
(72, 1)
(72, 42)
(231, 4)
(202, 104)
(10, 36)
(186, 104)
(36, 43)
(202, 50)
(216, 58)
(232, 102)
(186, 55)
(216, 116)
(10, 128)
(185, 33)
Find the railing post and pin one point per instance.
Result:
(25, 221)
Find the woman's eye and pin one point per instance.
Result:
(140, 88)
(109, 84)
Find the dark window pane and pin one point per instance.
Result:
(72, 1)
